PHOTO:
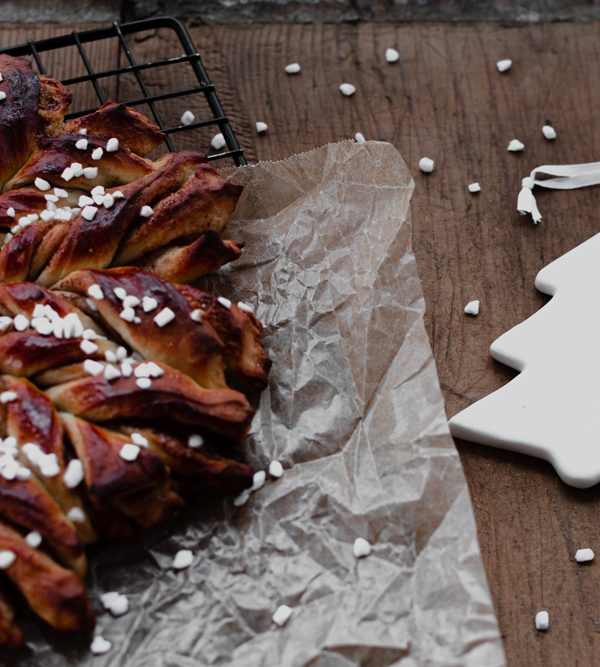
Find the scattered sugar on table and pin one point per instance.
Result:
(472, 308)
(584, 555)
(542, 620)
(392, 55)
(426, 165)
(347, 89)
(218, 141)
(515, 146)
(504, 65)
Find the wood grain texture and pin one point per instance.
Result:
(445, 99)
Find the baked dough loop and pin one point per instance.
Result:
(55, 593)
(132, 129)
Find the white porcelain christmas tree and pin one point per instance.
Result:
(552, 408)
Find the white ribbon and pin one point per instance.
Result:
(565, 177)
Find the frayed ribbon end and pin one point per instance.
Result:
(526, 201)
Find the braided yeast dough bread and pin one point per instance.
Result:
(81, 193)
(123, 390)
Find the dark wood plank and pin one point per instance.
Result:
(445, 99)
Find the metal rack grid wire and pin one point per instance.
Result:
(190, 55)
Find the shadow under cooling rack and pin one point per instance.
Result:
(119, 63)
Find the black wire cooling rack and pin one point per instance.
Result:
(195, 81)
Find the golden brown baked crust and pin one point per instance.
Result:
(54, 102)
(23, 201)
(19, 256)
(94, 243)
(54, 155)
(186, 263)
(33, 355)
(204, 201)
(137, 488)
(18, 113)
(224, 412)
(194, 348)
(27, 504)
(31, 418)
(211, 466)
(33, 110)
(129, 126)
(53, 592)
(240, 332)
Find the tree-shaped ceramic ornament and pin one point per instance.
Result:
(552, 408)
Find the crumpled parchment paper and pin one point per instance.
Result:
(355, 414)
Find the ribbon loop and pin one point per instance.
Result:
(563, 177)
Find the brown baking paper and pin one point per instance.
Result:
(355, 414)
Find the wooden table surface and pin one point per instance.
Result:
(446, 99)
